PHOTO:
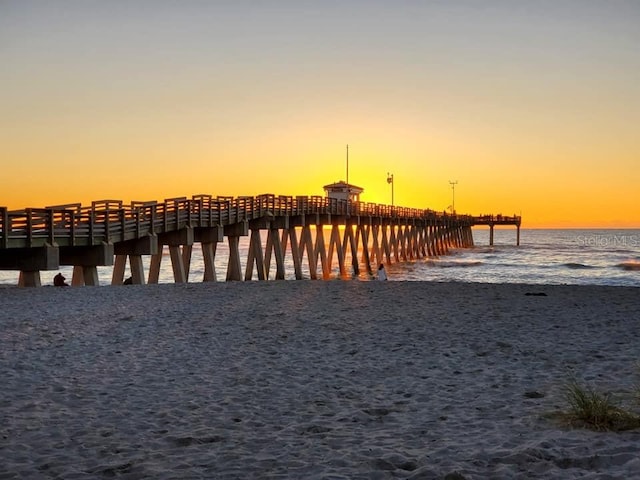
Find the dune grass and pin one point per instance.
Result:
(595, 410)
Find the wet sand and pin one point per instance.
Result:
(312, 379)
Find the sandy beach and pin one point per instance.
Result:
(312, 380)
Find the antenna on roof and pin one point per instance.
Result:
(347, 164)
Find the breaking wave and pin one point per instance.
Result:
(577, 266)
(632, 265)
(452, 264)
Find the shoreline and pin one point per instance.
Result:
(360, 280)
(312, 379)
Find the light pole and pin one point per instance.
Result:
(390, 180)
(453, 195)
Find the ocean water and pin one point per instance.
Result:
(572, 257)
(585, 257)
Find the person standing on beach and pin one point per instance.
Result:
(382, 273)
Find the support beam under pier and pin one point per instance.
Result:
(233, 233)
(275, 247)
(29, 261)
(209, 238)
(85, 260)
(179, 242)
(134, 249)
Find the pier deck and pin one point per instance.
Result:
(109, 232)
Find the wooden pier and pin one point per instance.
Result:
(493, 220)
(108, 233)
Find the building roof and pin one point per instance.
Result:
(342, 185)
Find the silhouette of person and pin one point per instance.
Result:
(59, 281)
(382, 273)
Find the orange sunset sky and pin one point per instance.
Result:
(533, 107)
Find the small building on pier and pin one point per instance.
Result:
(343, 191)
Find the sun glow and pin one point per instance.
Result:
(231, 100)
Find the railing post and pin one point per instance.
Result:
(51, 226)
(169, 213)
(29, 227)
(92, 221)
(152, 228)
(107, 230)
(72, 227)
(196, 207)
(6, 226)
(123, 222)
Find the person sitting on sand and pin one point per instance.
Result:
(382, 273)
(59, 281)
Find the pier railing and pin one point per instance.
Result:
(114, 221)
(497, 220)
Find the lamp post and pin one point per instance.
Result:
(390, 180)
(453, 195)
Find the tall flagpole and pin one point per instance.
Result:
(348, 187)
